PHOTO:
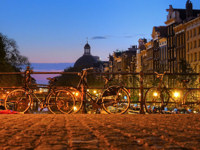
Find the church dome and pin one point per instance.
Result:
(86, 61)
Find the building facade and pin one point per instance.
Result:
(192, 29)
(123, 61)
(174, 18)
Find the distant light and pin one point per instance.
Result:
(75, 108)
(176, 94)
(155, 94)
(95, 91)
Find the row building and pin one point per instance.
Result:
(171, 45)
(176, 42)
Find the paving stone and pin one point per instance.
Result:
(80, 131)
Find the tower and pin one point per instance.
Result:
(87, 49)
(189, 9)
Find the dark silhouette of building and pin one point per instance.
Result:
(87, 60)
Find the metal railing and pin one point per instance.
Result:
(140, 79)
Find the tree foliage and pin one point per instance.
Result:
(10, 61)
(185, 68)
(93, 80)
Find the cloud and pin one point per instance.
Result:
(99, 38)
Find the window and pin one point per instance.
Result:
(190, 33)
(195, 68)
(188, 47)
(195, 32)
(199, 42)
(191, 45)
(191, 59)
(187, 35)
(199, 55)
(195, 56)
(188, 58)
(199, 30)
(199, 68)
(195, 44)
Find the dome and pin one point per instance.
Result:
(87, 46)
(86, 61)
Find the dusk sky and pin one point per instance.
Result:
(55, 31)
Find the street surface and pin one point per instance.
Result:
(79, 131)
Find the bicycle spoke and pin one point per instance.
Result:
(18, 100)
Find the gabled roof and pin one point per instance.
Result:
(160, 31)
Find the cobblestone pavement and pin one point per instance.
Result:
(61, 132)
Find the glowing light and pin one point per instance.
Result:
(120, 93)
(73, 93)
(155, 94)
(139, 94)
(176, 94)
(77, 93)
(88, 90)
(95, 91)
(75, 108)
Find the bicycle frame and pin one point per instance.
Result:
(42, 102)
(111, 103)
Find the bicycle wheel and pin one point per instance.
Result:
(18, 100)
(115, 100)
(192, 101)
(78, 99)
(153, 100)
(61, 101)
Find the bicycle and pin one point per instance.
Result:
(22, 99)
(192, 100)
(114, 99)
(158, 97)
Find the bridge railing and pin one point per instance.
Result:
(136, 83)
